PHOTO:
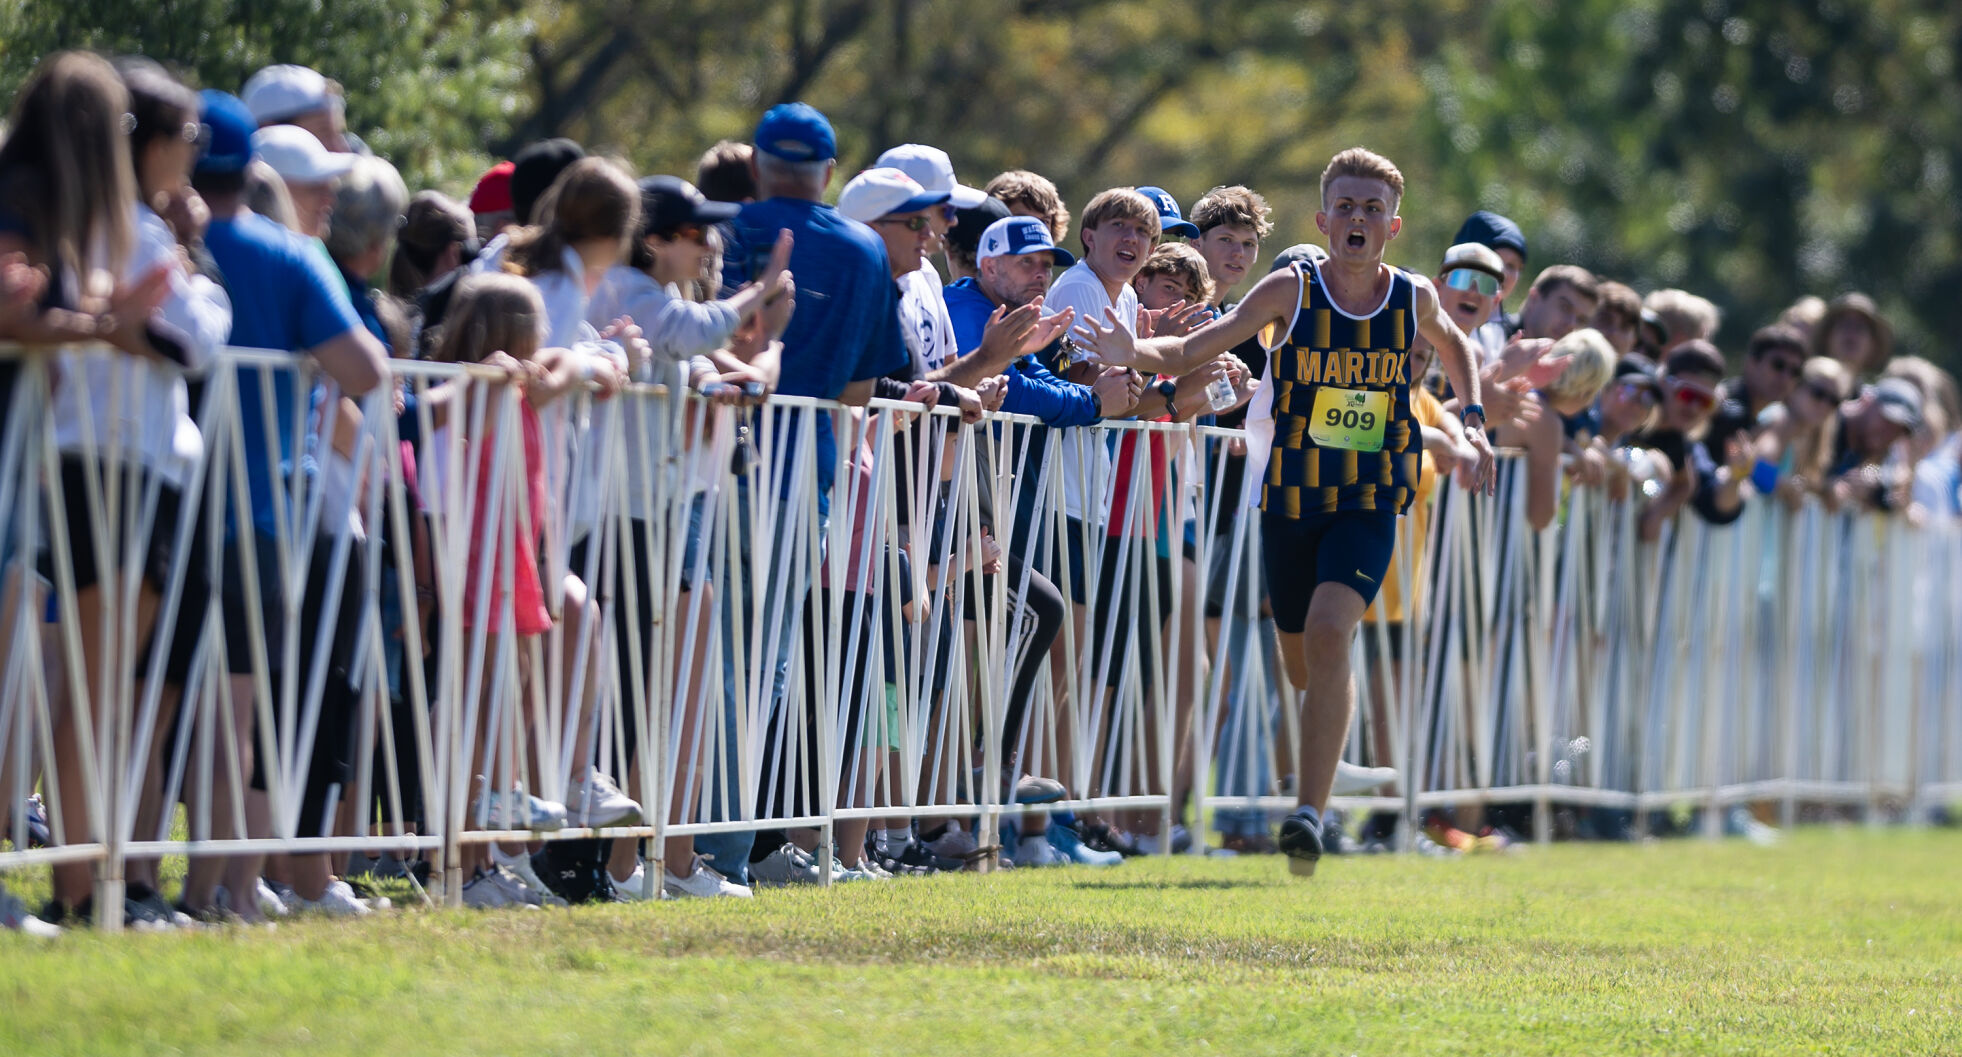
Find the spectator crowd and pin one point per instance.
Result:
(167, 225)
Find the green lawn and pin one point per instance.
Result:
(1836, 941)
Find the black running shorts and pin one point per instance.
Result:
(1348, 547)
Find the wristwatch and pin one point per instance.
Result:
(1167, 389)
(1469, 410)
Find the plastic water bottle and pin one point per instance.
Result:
(1220, 395)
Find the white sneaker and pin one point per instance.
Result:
(631, 889)
(485, 891)
(519, 867)
(14, 915)
(337, 901)
(872, 871)
(1351, 780)
(1035, 850)
(275, 900)
(515, 889)
(597, 801)
(703, 883)
(514, 809)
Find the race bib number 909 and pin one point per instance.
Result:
(1351, 419)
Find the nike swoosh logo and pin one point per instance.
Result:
(1365, 576)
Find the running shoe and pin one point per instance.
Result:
(597, 801)
(14, 916)
(1105, 837)
(484, 891)
(337, 900)
(155, 907)
(788, 865)
(1352, 780)
(514, 809)
(271, 903)
(916, 858)
(1068, 844)
(702, 883)
(1033, 789)
(1301, 842)
(519, 867)
(1037, 851)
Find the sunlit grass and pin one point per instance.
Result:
(1836, 941)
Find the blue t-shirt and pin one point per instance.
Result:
(846, 326)
(1032, 388)
(285, 297)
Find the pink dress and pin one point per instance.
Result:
(487, 528)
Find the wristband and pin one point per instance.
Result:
(1465, 414)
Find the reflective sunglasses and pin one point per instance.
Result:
(914, 223)
(1472, 279)
(1692, 395)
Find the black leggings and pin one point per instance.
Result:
(1038, 612)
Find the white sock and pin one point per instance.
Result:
(1147, 843)
(896, 839)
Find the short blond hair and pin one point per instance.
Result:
(1367, 164)
(1238, 205)
(1687, 316)
(1035, 193)
(1591, 363)
(1119, 203)
(1183, 263)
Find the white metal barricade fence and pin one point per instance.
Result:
(387, 625)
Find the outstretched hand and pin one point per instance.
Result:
(1108, 342)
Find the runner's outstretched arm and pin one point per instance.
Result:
(1272, 300)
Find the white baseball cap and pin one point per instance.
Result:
(934, 171)
(878, 192)
(281, 93)
(297, 156)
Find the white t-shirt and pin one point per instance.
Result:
(129, 402)
(1079, 288)
(923, 319)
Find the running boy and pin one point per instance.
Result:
(1331, 422)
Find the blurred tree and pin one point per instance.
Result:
(1752, 150)
(429, 84)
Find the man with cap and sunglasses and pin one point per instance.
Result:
(923, 310)
(1503, 237)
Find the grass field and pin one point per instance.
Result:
(1836, 941)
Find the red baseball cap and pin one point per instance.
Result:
(493, 192)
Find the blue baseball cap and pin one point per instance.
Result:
(796, 132)
(1014, 236)
(228, 145)
(1170, 220)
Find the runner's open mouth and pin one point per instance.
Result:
(1357, 239)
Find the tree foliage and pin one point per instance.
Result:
(1752, 150)
(429, 84)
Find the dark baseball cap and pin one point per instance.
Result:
(796, 132)
(970, 223)
(668, 202)
(1299, 253)
(1493, 230)
(535, 168)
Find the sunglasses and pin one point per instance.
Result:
(949, 213)
(1692, 396)
(1788, 367)
(1472, 279)
(1823, 393)
(914, 224)
(1640, 393)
